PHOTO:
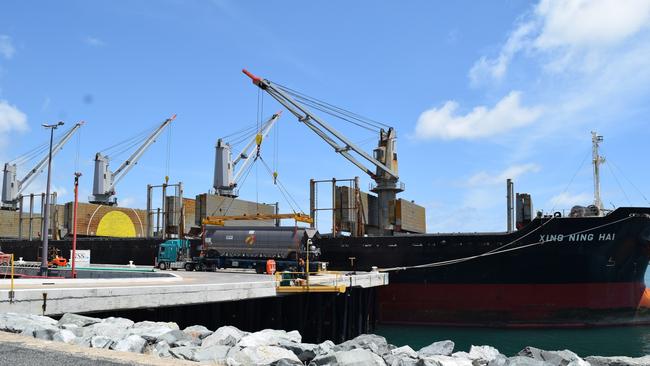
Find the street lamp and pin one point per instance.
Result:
(46, 214)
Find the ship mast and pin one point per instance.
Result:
(597, 161)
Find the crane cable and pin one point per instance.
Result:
(333, 109)
(608, 162)
(500, 249)
(295, 207)
(571, 180)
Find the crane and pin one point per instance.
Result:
(381, 167)
(12, 187)
(104, 180)
(225, 181)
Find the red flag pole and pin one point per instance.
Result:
(74, 222)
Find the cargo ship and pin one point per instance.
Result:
(584, 269)
(564, 271)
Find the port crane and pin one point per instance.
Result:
(13, 187)
(382, 166)
(225, 176)
(104, 180)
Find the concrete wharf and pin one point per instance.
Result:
(225, 297)
(53, 296)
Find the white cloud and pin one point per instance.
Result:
(497, 67)
(568, 33)
(11, 118)
(7, 49)
(94, 41)
(568, 200)
(506, 115)
(512, 172)
(592, 23)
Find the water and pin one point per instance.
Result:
(631, 341)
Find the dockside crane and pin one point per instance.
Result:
(225, 175)
(384, 161)
(13, 187)
(104, 180)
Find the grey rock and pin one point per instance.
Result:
(64, 335)
(267, 337)
(324, 348)
(226, 336)
(78, 320)
(16, 322)
(261, 355)
(149, 324)
(176, 338)
(500, 360)
(197, 331)
(442, 360)
(482, 355)
(108, 330)
(304, 351)
(118, 322)
(216, 354)
(618, 361)
(184, 353)
(286, 362)
(39, 330)
(83, 341)
(444, 348)
(78, 331)
(358, 357)
(556, 358)
(45, 333)
(374, 343)
(294, 336)
(114, 328)
(132, 343)
(151, 331)
(399, 360)
(404, 351)
(324, 359)
(524, 361)
(101, 342)
(160, 349)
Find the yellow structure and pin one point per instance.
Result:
(116, 224)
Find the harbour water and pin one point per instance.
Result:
(631, 341)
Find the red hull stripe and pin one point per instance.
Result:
(510, 303)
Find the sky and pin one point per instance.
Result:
(478, 92)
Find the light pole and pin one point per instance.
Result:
(46, 214)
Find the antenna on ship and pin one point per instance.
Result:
(597, 161)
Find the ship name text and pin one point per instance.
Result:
(577, 237)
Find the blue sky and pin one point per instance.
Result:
(478, 92)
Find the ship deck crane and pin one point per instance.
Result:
(384, 160)
(13, 187)
(225, 176)
(105, 180)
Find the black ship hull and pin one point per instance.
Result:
(555, 271)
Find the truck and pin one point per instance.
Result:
(248, 247)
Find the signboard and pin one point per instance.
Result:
(82, 259)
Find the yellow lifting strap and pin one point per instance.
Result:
(219, 220)
(258, 139)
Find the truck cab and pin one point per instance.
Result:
(171, 251)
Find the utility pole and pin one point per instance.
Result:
(74, 222)
(46, 214)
